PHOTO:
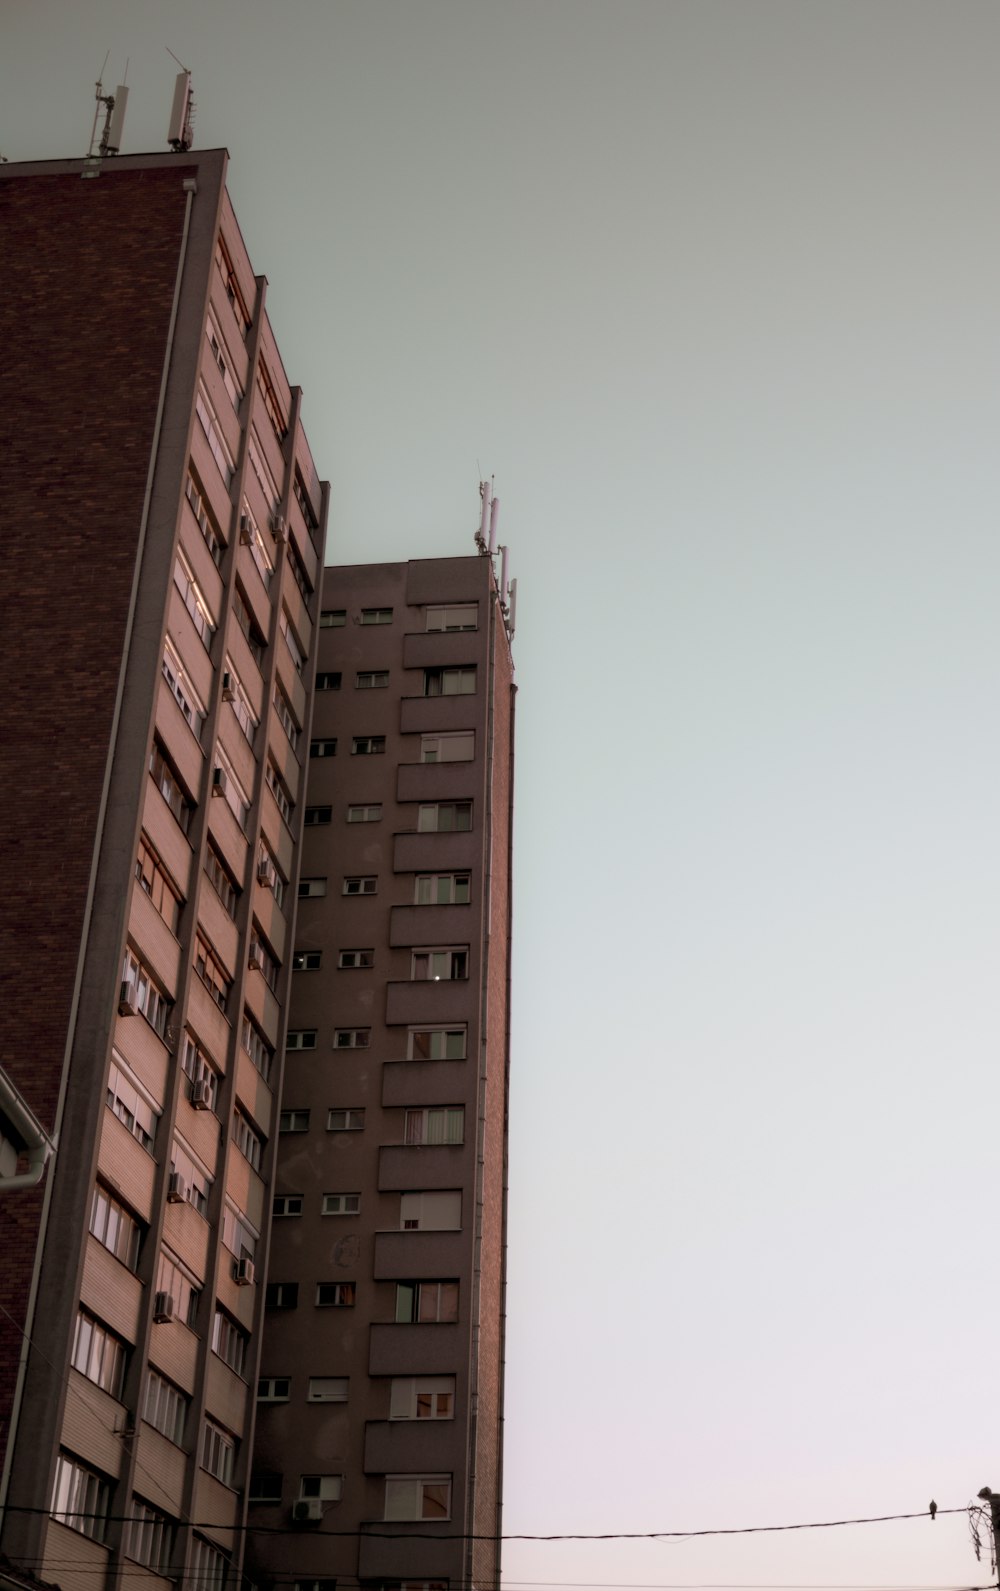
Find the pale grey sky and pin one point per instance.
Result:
(712, 288)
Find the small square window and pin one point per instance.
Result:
(265, 1487)
(328, 681)
(301, 1039)
(341, 1204)
(306, 960)
(355, 960)
(335, 1295)
(311, 887)
(287, 1204)
(314, 816)
(281, 1295)
(274, 1389)
(352, 1038)
(372, 680)
(349, 1120)
(367, 746)
(372, 813)
(332, 619)
(293, 1121)
(322, 748)
(361, 886)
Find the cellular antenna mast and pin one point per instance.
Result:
(114, 116)
(180, 133)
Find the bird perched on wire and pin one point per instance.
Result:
(933, 1508)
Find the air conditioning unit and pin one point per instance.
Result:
(265, 872)
(307, 1510)
(228, 688)
(244, 1272)
(163, 1308)
(279, 528)
(128, 1000)
(255, 960)
(177, 1190)
(201, 1094)
(220, 782)
(246, 534)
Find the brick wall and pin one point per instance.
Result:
(87, 280)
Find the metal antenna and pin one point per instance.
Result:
(179, 133)
(99, 97)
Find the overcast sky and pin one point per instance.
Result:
(712, 287)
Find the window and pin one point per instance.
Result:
(168, 782)
(131, 1104)
(251, 538)
(155, 881)
(281, 1295)
(265, 1487)
(360, 886)
(182, 690)
(449, 681)
(311, 888)
(440, 965)
(80, 1497)
(280, 791)
(265, 480)
(274, 1389)
(427, 1303)
(418, 1497)
(431, 1212)
(115, 1227)
(328, 681)
(224, 265)
(218, 1452)
(325, 1487)
(247, 1140)
(229, 1341)
(333, 619)
(165, 1407)
(214, 539)
(211, 972)
(275, 413)
(322, 748)
(257, 1047)
(239, 1237)
(436, 1125)
(441, 889)
(149, 1000)
(226, 784)
(149, 1537)
(234, 693)
(372, 813)
(302, 498)
(444, 817)
(376, 615)
(355, 960)
(372, 680)
(203, 1091)
(214, 436)
(248, 624)
(194, 599)
(208, 1568)
(191, 1181)
(368, 746)
(213, 337)
(335, 1295)
(352, 1038)
(293, 1121)
(460, 747)
(422, 1398)
(262, 957)
(453, 616)
(301, 1039)
(181, 1284)
(287, 1204)
(296, 650)
(286, 717)
(268, 873)
(298, 569)
(349, 1120)
(221, 879)
(327, 1389)
(316, 816)
(435, 1044)
(341, 1204)
(98, 1354)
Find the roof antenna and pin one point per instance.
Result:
(114, 116)
(180, 134)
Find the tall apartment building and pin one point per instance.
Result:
(378, 1452)
(163, 540)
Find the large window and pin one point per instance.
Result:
(194, 599)
(208, 1567)
(211, 972)
(431, 1212)
(115, 1227)
(449, 681)
(435, 1044)
(441, 889)
(460, 747)
(444, 1124)
(453, 616)
(201, 1073)
(165, 1407)
(444, 817)
(143, 994)
(442, 965)
(180, 686)
(422, 1398)
(98, 1354)
(174, 1280)
(132, 1105)
(257, 1047)
(229, 1341)
(167, 781)
(80, 1497)
(418, 1497)
(218, 1452)
(427, 1303)
(149, 1537)
(155, 881)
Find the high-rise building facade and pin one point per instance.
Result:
(378, 1452)
(163, 541)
